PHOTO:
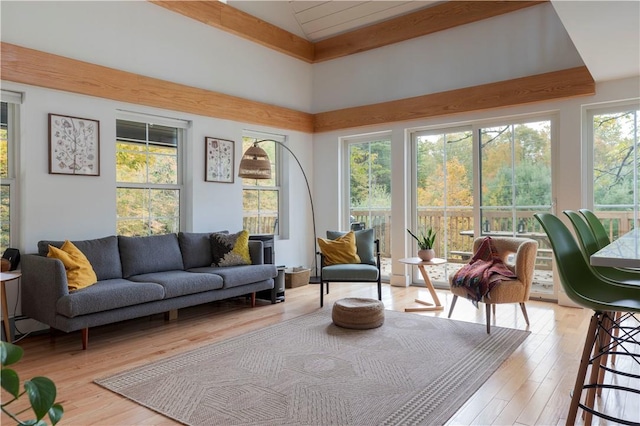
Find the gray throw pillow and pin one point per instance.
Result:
(364, 243)
(196, 248)
(102, 253)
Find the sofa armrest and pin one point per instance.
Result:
(44, 281)
(256, 251)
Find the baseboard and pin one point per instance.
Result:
(402, 280)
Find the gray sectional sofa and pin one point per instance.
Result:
(137, 276)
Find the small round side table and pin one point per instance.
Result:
(428, 306)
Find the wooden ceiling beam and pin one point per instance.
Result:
(33, 67)
(416, 24)
(555, 85)
(230, 19)
(28, 66)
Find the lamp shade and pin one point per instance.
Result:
(255, 164)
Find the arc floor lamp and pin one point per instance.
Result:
(255, 164)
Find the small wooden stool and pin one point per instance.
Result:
(358, 313)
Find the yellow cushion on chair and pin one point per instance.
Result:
(340, 251)
(80, 273)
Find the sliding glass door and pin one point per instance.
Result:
(515, 183)
(444, 193)
(484, 180)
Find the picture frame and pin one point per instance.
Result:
(219, 160)
(74, 145)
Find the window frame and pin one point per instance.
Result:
(13, 101)
(345, 184)
(182, 127)
(282, 222)
(589, 113)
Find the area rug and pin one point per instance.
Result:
(413, 370)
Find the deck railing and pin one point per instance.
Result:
(456, 230)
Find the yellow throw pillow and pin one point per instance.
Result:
(341, 250)
(80, 273)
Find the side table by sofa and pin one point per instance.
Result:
(428, 306)
(6, 277)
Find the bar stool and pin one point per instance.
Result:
(605, 299)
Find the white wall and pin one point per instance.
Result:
(527, 42)
(146, 39)
(80, 207)
(140, 37)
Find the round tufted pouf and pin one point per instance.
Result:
(358, 313)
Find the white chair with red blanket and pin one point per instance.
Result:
(493, 276)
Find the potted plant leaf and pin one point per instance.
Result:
(425, 244)
(41, 391)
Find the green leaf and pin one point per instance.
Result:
(10, 381)
(42, 395)
(55, 413)
(9, 353)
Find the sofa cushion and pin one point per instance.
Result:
(180, 283)
(235, 276)
(79, 272)
(364, 243)
(196, 248)
(102, 253)
(230, 249)
(106, 295)
(351, 272)
(154, 253)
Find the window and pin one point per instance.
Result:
(369, 191)
(8, 188)
(148, 175)
(261, 198)
(614, 136)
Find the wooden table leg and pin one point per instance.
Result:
(5, 313)
(436, 306)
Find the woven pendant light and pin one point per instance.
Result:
(255, 164)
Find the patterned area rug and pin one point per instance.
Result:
(307, 371)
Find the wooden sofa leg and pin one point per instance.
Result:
(172, 315)
(253, 299)
(85, 338)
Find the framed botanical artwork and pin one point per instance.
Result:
(219, 158)
(74, 145)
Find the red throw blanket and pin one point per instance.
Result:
(482, 273)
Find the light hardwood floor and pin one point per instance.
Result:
(532, 387)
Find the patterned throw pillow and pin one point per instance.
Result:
(340, 251)
(80, 273)
(230, 249)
